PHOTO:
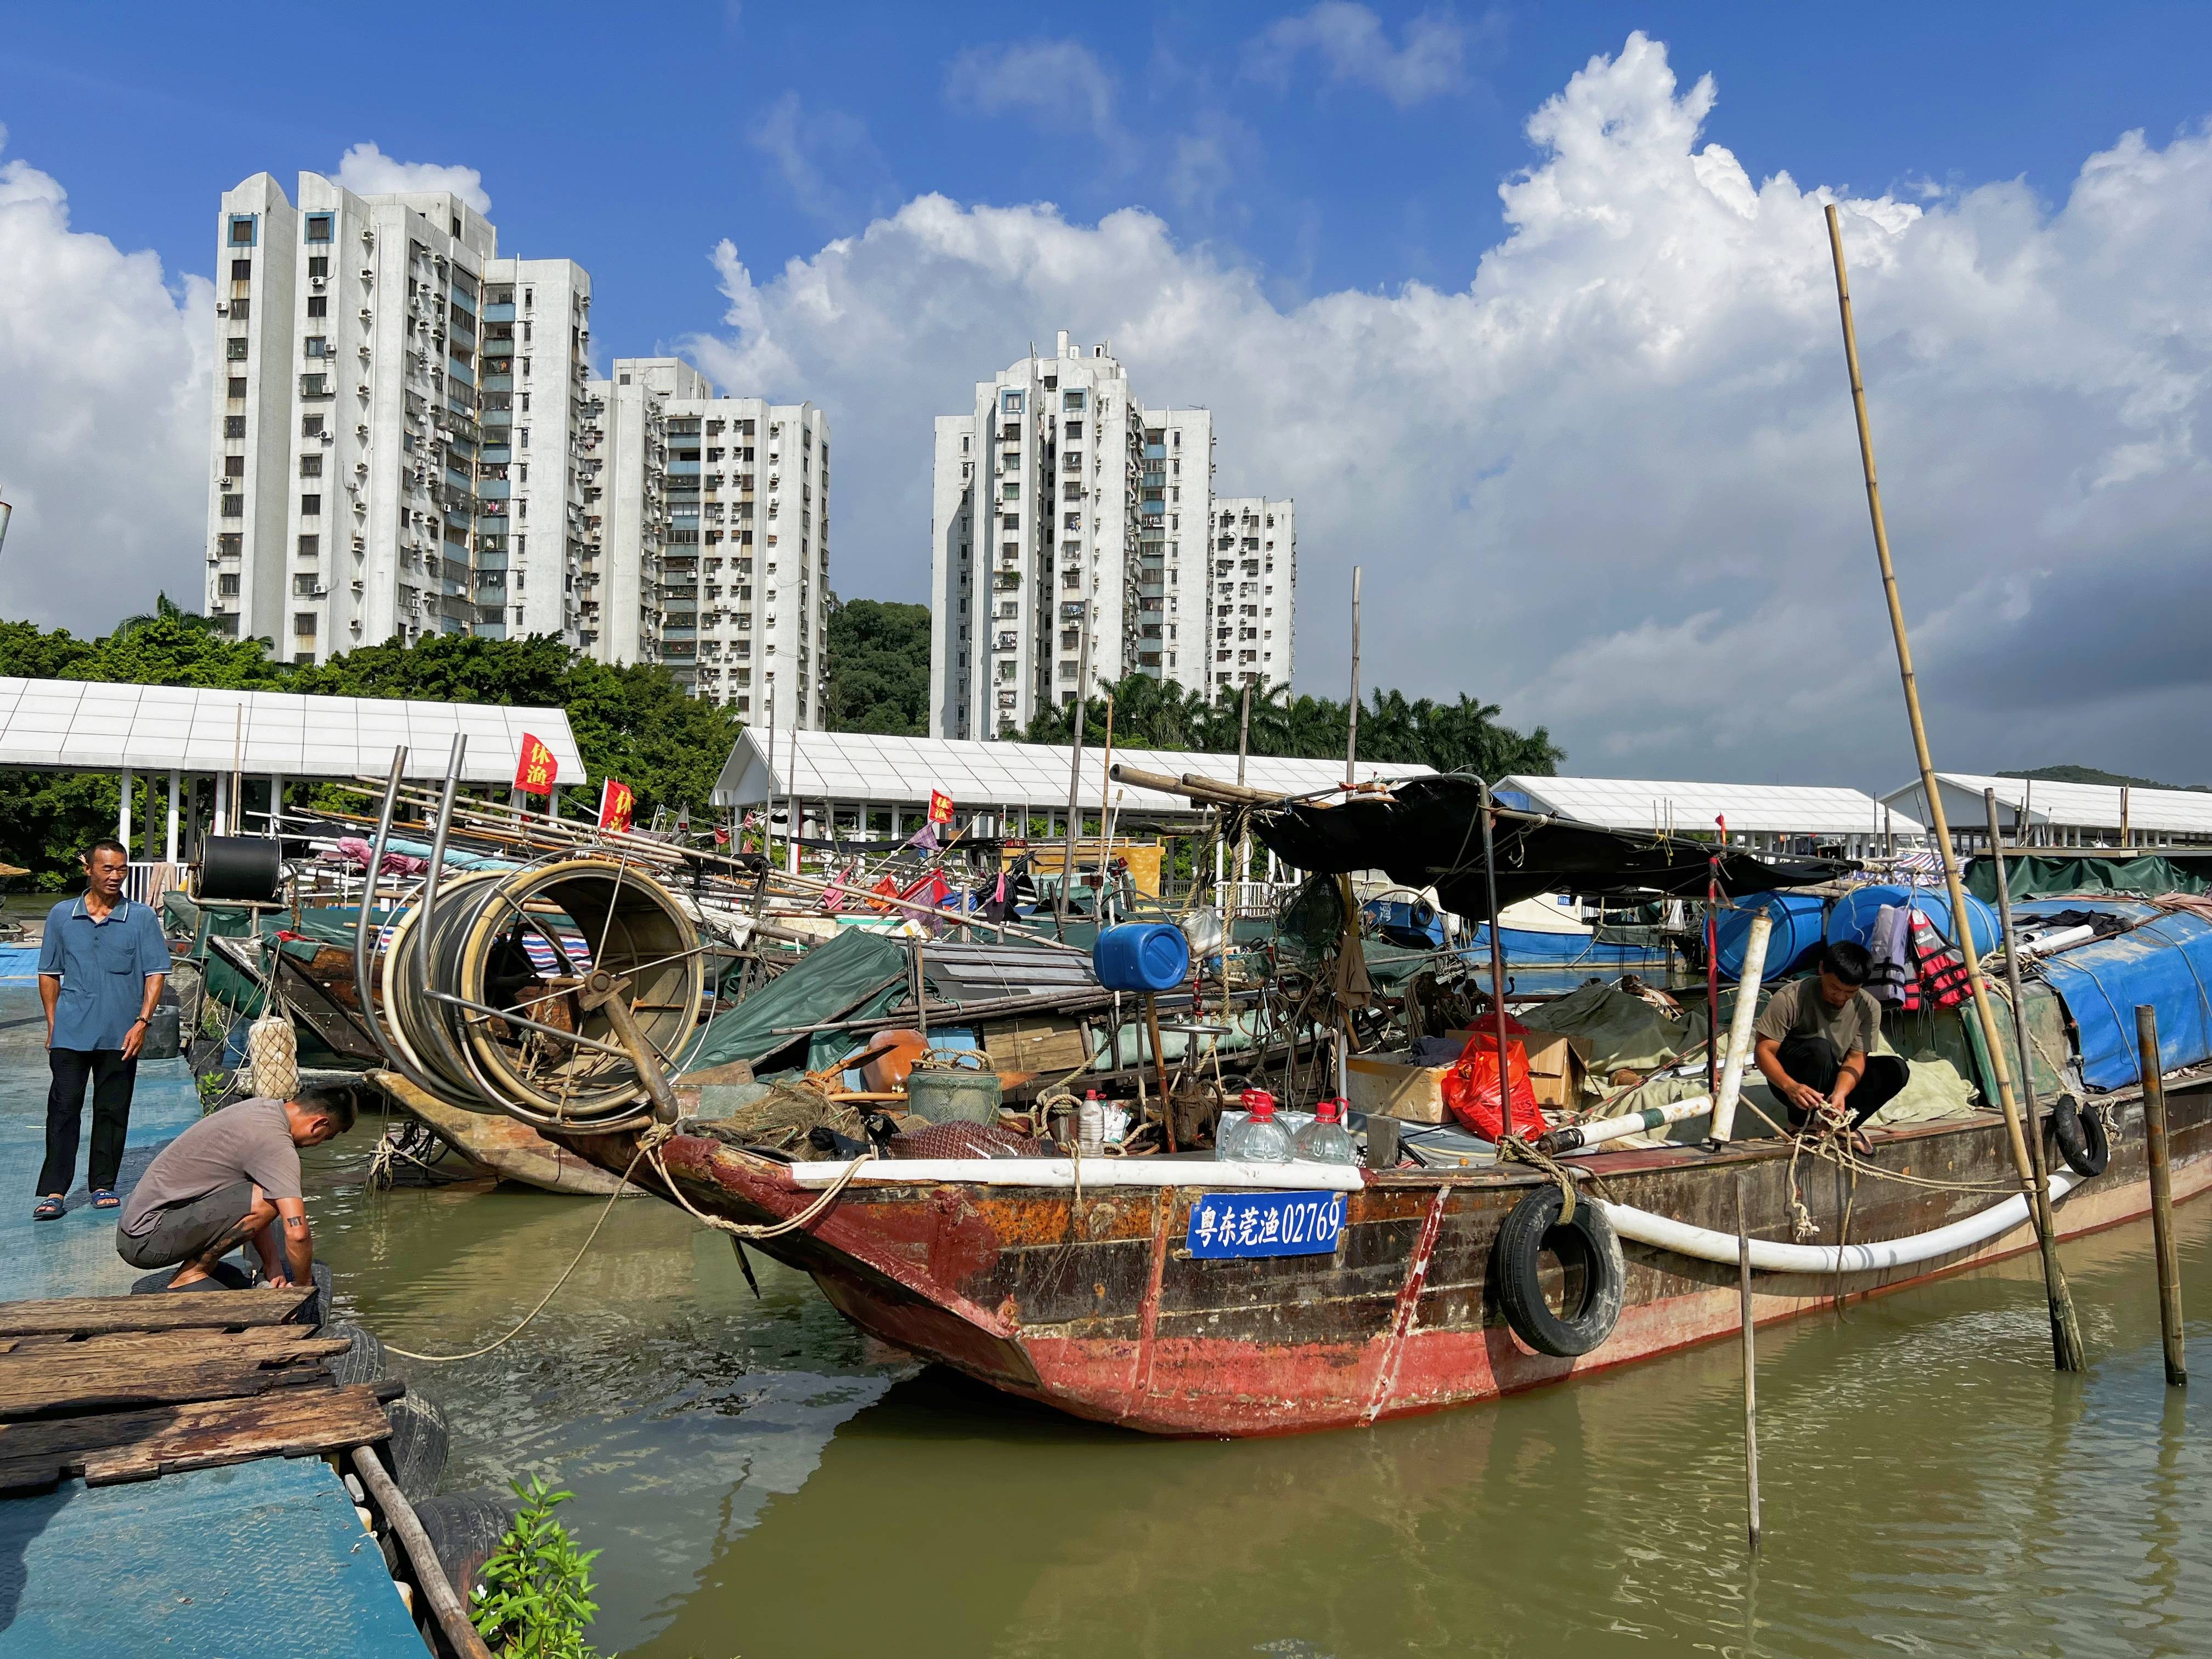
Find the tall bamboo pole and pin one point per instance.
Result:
(1750, 1366)
(1937, 827)
(2066, 1345)
(2162, 1194)
(1497, 963)
(1352, 710)
(1074, 775)
(1105, 825)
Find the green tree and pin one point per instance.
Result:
(879, 667)
(537, 1601)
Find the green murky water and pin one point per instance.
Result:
(766, 1481)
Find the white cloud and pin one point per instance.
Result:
(367, 171)
(1613, 482)
(832, 167)
(1353, 45)
(104, 444)
(1059, 86)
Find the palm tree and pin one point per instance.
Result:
(165, 609)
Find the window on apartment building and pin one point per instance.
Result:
(303, 585)
(319, 305)
(229, 545)
(303, 624)
(234, 426)
(233, 466)
(314, 385)
(235, 349)
(226, 586)
(311, 507)
(1071, 400)
(319, 227)
(1009, 403)
(236, 389)
(310, 466)
(319, 265)
(242, 226)
(311, 426)
(317, 346)
(310, 547)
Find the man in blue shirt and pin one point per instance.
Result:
(101, 971)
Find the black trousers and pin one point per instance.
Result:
(112, 1078)
(1814, 1061)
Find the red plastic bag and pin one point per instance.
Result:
(1470, 1087)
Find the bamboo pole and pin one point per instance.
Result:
(1352, 708)
(1497, 966)
(1074, 776)
(1937, 827)
(1740, 1023)
(1105, 828)
(1750, 1365)
(2066, 1345)
(446, 1605)
(2162, 1196)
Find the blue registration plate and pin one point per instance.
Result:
(1225, 1224)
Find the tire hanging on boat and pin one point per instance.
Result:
(1587, 1248)
(2081, 1135)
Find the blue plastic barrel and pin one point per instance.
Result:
(1854, 916)
(1797, 919)
(1141, 956)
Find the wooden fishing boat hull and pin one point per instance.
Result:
(1098, 1309)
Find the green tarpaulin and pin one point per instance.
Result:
(2037, 875)
(836, 980)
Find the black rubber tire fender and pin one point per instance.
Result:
(1533, 1225)
(362, 1362)
(465, 1529)
(2080, 1133)
(420, 1444)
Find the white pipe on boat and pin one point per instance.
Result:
(1706, 1245)
(1575, 1137)
(1747, 1009)
(1200, 1173)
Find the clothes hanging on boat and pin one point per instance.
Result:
(1893, 956)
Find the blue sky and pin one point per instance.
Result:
(633, 145)
(1529, 309)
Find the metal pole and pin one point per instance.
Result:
(2066, 1351)
(1105, 836)
(2162, 1194)
(1351, 712)
(1074, 777)
(437, 858)
(1243, 747)
(176, 784)
(1750, 1365)
(1497, 963)
(1713, 965)
(1937, 825)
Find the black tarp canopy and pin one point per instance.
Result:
(1428, 832)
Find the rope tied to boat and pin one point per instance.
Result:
(648, 1147)
(1512, 1149)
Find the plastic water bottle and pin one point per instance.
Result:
(1090, 1124)
(1326, 1140)
(1259, 1138)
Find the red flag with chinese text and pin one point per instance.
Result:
(535, 771)
(940, 807)
(617, 800)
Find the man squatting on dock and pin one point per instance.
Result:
(101, 967)
(1813, 1042)
(233, 1176)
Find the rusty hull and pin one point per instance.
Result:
(1097, 1308)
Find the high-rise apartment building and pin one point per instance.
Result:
(399, 431)
(1070, 542)
(709, 539)
(1252, 574)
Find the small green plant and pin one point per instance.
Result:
(536, 1598)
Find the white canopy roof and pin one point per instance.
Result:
(883, 771)
(82, 725)
(2073, 805)
(1785, 808)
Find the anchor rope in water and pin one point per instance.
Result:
(648, 1151)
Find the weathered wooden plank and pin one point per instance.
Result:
(136, 1370)
(137, 1445)
(88, 1316)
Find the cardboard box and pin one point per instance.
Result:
(1389, 1084)
(1558, 1064)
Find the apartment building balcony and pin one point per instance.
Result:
(502, 313)
(499, 413)
(500, 382)
(496, 452)
(690, 468)
(493, 489)
(459, 482)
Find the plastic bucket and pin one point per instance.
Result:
(1797, 918)
(1853, 918)
(1141, 956)
(953, 1095)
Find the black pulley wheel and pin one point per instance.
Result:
(2080, 1133)
(1591, 1273)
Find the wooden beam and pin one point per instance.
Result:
(93, 1315)
(138, 1445)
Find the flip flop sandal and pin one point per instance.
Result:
(47, 1209)
(104, 1199)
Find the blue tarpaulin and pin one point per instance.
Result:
(2166, 963)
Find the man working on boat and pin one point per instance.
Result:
(233, 1176)
(1814, 1042)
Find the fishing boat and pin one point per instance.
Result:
(1547, 931)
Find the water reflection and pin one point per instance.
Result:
(766, 1482)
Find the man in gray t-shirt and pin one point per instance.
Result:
(1815, 1043)
(233, 1176)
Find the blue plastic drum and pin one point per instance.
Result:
(1797, 918)
(1141, 956)
(1854, 916)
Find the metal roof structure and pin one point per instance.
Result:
(85, 726)
(1784, 808)
(860, 769)
(2067, 806)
